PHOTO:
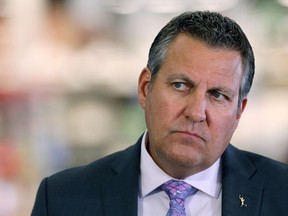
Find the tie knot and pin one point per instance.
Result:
(176, 189)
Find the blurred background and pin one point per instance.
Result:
(68, 82)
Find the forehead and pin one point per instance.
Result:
(186, 54)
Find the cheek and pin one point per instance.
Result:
(223, 128)
(159, 106)
(160, 112)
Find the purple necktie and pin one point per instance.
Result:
(177, 191)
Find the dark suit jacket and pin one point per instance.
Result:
(109, 186)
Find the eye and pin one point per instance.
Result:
(180, 86)
(218, 96)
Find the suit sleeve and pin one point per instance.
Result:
(40, 205)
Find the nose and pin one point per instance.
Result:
(196, 107)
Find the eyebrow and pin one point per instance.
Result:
(183, 77)
(190, 82)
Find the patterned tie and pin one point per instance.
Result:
(177, 191)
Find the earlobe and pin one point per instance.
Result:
(143, 86)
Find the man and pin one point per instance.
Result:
(193, 92)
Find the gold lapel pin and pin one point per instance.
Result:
(242, 201)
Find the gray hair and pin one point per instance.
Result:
(211, 28)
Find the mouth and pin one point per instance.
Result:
(189, 134)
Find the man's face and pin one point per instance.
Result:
(191, 108)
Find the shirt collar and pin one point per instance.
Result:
(152, 176)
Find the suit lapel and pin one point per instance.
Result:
(240, 194)
(120, 189)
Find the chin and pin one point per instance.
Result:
(186, 159)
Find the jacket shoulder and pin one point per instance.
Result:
(79, 189)
(270, 169)
(95, 169)
(254, 166)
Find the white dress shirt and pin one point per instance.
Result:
(152, 201)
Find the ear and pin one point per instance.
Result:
(242, 108)
(239, 112)
(143, 86)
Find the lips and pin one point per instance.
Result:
(189, 134)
